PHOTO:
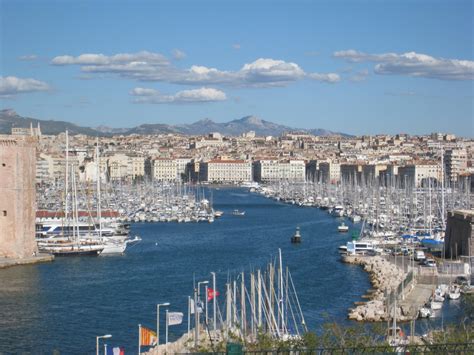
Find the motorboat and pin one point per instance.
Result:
(424, 312)
(454, 292)
(343, 228)
(358, 247)
(296, 238)
(238, 213)
(434, 305)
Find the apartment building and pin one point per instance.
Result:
(225, 171)
(417, 174)
(455, 162)
(267, 170)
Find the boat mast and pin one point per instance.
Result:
(66, 183)
(442, 189)
(99, 207)
(282, 306)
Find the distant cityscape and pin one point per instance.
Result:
(292, 157)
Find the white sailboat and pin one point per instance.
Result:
(69, 242)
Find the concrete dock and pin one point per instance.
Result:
(415, 299)
(39, 258)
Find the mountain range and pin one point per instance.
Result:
(9, 118)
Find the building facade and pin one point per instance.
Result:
(225, 171)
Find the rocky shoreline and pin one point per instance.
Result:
(383, 276)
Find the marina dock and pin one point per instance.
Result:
(40, 258)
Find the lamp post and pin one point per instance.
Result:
(196, 311)
(107, 336)
(158, 320)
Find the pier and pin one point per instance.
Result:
(35, 259)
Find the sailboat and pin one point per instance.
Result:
(69, 242)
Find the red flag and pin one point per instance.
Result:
(211, 294)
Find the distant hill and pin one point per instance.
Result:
(9, 119)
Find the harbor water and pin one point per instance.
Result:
(64, 305)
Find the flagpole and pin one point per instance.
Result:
(207, 303)
(139, 337)
(196, 329)
(189, 315)
(214, 290)
(166, 334)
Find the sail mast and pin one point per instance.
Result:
(99, 207)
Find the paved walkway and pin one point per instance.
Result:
(416, 299)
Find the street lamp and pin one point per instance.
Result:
(196, 312)
(107, 336)
(158, 320)
(199, 286)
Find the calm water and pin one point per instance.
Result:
(65, 304)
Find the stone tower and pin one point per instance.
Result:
(17, 196)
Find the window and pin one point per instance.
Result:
(3, 164)
(4, 213)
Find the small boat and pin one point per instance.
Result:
(238, 213)
(343, 228)
(218, 214)
(454, 293)
(424, 312)
(436, 305)
(296, 238)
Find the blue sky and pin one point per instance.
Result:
(360, 67)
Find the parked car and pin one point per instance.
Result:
(420, 255)
(430, 263)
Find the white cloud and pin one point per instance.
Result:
(328, 78)
(236, 46)
(30, 57)
(152, 96)
(146, 66)
(178, 54)
(152, 59)
(413, 64)
(11, 86)
(264, 71)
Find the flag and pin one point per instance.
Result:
(199, 307)
(147, 336)
(175, 318)
(211, 294)
(115, 351)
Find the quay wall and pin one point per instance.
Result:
(17, 196)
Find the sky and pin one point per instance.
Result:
(358, 67)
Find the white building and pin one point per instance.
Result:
(330, 172)
(267, 170)
(165, 169)
(455, 161)
(225, 171)
(415, 174)
(125, 166)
